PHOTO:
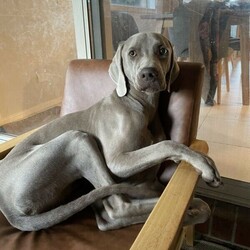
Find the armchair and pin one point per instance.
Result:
(179, 113)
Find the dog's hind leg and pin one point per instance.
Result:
(35, 182)
(126, 212)
(198, 212)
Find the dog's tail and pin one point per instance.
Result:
(63, 212)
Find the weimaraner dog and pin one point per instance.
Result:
(117, 145)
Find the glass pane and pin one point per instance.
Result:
(210, 32)
(37, 42)
(215, 33)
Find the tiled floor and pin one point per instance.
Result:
(226, 128)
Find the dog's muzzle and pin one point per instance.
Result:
(148, 80)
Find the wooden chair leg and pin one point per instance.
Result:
(219, 67)
(189, 240)
(225, 62)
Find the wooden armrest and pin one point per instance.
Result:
(7, 146)
(163, 228)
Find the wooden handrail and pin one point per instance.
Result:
(163, 228)
(6, 147)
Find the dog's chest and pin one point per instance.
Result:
(148, 133)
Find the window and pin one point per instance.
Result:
(150, 4)
(37, 43)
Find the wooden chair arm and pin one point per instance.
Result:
(163, 229)
(6, 147)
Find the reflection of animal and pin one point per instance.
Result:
(118, 140)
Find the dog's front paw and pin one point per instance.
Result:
(214, 181)
(213, 177)
(209, 172)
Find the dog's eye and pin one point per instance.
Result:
(132, 53)
(163, 51)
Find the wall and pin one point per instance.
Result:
(37, 41)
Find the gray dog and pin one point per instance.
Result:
(117, 145)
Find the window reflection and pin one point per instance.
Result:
(150, 4)
(215, 33)
(210, 32)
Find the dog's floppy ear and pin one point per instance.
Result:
(173, 72)
(116, 72)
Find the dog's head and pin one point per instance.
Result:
(146, 61)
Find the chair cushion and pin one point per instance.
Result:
(77, 233)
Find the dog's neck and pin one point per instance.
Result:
(147, 101)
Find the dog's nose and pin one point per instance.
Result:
(148, 74)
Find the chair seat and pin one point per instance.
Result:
(77, 233)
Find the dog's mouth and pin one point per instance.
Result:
(149, 81)
(151, 88)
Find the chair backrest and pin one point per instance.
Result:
(87, 82)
